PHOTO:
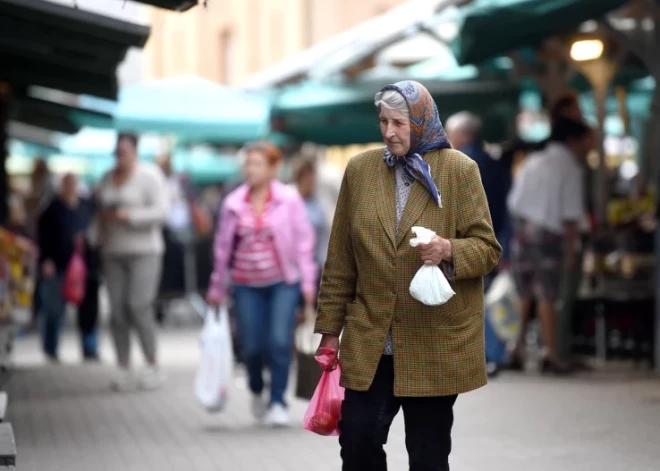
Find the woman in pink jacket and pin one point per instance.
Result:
(264, 249)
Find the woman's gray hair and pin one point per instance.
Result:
(393, 100)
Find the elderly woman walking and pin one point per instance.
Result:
(397, 353)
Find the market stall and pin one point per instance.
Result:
(17, 279)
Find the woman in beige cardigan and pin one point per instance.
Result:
(133, 204)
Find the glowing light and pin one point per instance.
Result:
(587, 50)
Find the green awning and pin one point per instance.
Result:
(193, 109)
(490, 28)
(64, 48)
(57, 116)
(345, 114)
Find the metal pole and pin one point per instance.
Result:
(602, 182)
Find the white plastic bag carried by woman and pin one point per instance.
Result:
(429, 286)
(217, 361)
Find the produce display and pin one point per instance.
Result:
(17, 273)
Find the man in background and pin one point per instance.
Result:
(464, 131)
(547, 206)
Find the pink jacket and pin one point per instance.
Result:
(293, 234)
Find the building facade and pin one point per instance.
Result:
(229, 40)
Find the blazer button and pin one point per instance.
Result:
(399, 345)
(397, 319)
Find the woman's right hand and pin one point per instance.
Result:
(213, 302)
(332, 342)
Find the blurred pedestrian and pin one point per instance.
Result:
(177, 232)
(133, 206)
(60, 231)
(546, 202)
(305, 177)
(264, 249)
(397, 353)
(566, 105)
(464, 131)
(39, 197)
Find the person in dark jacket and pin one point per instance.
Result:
(60, 231)
(464, 133)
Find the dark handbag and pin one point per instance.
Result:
(309, 372)
(309, 375)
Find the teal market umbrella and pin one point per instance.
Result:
(31, 150)
(100, 143)
(205, 166)
(193, 109)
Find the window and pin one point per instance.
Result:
(227, 59)
(307, 23)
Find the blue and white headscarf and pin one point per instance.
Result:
(426, 133)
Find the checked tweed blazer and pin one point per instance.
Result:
(438, 350)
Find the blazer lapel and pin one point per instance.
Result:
(417, 201)
(386, 201)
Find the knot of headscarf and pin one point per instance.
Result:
(426, 133)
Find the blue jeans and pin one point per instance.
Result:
(52, 310)
(266, 320)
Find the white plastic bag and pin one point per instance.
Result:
(503, 307)
(217, 361)
(429, 286)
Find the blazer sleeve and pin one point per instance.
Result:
(475, 249)
(338, 283)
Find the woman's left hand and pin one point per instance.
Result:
(436, 251)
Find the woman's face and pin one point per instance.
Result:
(257, 170)
(306, 184)
(395, 128)
(125, 153)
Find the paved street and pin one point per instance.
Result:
(66, 418)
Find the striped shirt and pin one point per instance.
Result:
(255, 261)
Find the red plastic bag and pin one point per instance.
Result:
(324, 410)
(73, 288)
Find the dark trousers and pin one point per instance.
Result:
(367, 417)
(88, 315)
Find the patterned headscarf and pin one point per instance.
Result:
(426, 133)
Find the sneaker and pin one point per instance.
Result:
(259, 408)
(278, 416)
(124, 381)
(52, 359)
(91, 358)
(151, 378)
